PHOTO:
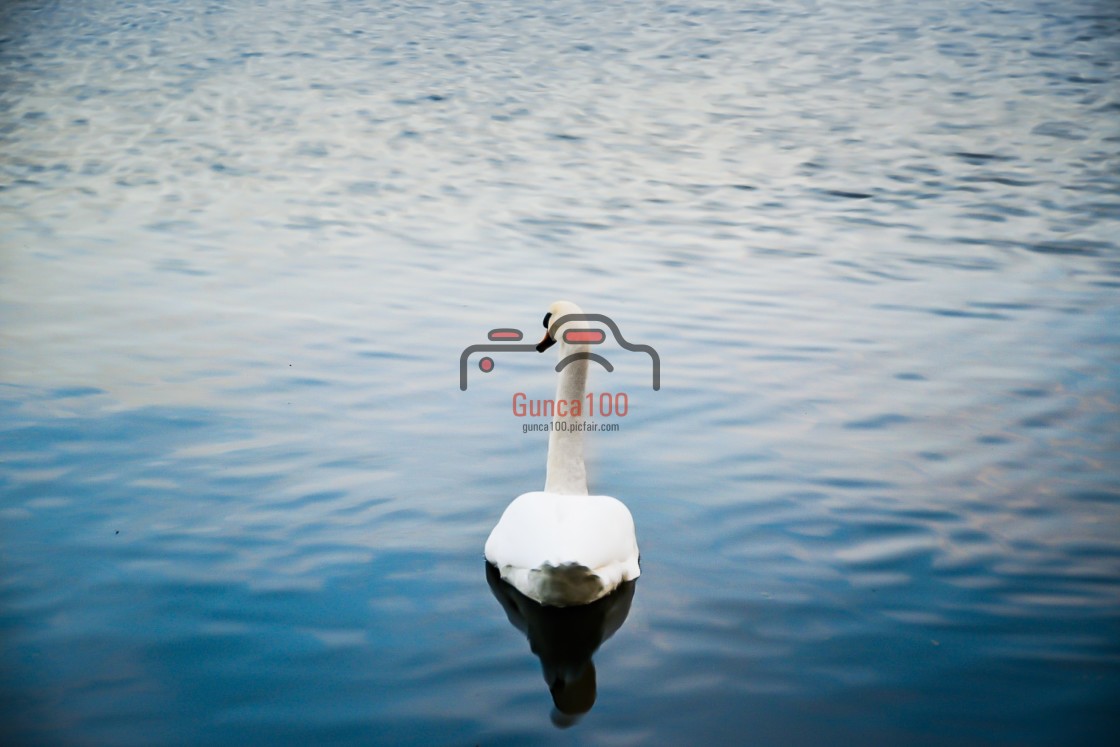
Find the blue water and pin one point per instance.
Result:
(243, 500)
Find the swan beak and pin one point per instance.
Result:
(546, 342)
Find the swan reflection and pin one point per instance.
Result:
(564, 639)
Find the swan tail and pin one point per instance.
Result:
(565, 584)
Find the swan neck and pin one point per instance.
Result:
(566, 473)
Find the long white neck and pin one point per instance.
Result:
(566, 472)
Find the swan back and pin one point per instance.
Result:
(564, 549)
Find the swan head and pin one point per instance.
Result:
(553, 331)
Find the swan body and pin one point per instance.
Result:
(564, 549)
(561, 546)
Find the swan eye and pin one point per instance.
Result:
(546, 318)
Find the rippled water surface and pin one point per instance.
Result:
(244, 244)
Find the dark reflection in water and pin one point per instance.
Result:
(564, 639)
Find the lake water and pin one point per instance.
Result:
(874, 244)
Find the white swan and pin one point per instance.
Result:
(563, 547)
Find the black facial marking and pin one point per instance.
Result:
(546, 318)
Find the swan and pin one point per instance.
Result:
(560, 546)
